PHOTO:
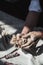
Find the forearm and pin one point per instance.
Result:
(31, 21)
(41, 34)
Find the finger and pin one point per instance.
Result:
(27, 35)
(27, 44)
(27, 47)
(18, 36)
(20, 42)
(13, 39)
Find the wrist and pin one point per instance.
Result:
(25, 30)
(40, 34)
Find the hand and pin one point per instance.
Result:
(31, 36)
(20, 39)
(16, 39)
(13, 39)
